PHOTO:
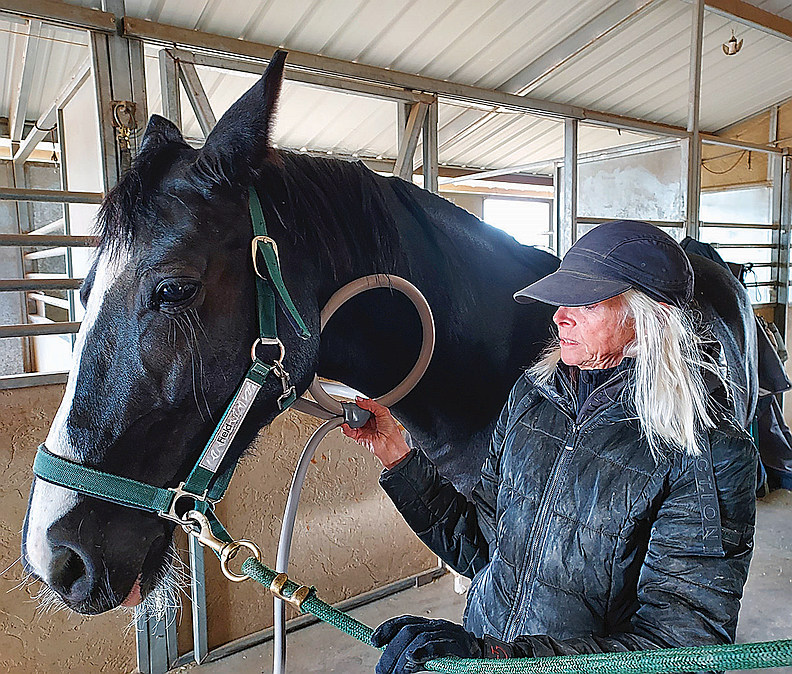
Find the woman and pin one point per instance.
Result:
(615, 509)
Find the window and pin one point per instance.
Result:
(527, 220)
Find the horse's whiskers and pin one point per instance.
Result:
(48, 601)
(186, 325)
(165, 598)
(12, 565)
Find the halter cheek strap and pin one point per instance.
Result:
(206, 484)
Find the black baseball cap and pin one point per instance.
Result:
(611, 259)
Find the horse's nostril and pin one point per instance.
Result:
(68, 575)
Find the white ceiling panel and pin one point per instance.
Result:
(639, 69)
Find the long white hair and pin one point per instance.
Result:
(666, 389)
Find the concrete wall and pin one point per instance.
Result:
(349, 539)
(645, 186)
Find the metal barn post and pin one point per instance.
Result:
(431, 161)
(567, 224)
(782, 216)
(693, 143)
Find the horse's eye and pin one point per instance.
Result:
(172, 293)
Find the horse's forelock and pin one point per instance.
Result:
(130, 205)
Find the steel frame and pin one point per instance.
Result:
(692, 150)
(117, 59)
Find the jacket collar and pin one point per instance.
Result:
(561, 390)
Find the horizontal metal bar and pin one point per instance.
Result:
(34, 330)
(712, 139)
(54, 226)
(62, 13)
(36, 240)
(306, 619)
(23, 285)
(656, 223)
(59, 196)
(321, 80)
(761, 284)
(47, 253)
(742, 245)
(32, 379)
(738, 225)
(50, 299)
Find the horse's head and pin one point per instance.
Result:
(169, 321)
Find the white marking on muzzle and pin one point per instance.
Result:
(49, 503)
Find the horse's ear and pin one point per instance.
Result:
(160, 131)
(240, 142)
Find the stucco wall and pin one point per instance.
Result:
(348, 540)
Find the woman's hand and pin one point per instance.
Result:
(380, 434)
(410, 642)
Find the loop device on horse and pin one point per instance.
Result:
(191, 504)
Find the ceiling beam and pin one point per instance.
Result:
(752, 16)
(18, 112)
(611, 18)
(153, 31)
(63, 13)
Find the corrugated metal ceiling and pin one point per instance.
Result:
(639, 69)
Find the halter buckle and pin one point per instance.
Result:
(269, 341)
(178, 493)
(254, 250)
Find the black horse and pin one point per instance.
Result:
(170, 319)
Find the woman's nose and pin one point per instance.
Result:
(562, 316)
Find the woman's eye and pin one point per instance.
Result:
(173, 293)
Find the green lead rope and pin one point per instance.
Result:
(665, 661)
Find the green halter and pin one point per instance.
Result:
(206, 483)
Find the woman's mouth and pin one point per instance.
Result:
(568, 342)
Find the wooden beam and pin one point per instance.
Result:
(197, 97)
(409, 142)
(752, 16)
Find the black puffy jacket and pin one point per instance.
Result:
(577, 540)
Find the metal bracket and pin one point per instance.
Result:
(298, 596)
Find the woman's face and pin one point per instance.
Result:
(594, 337)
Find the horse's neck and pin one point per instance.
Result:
(467, 275)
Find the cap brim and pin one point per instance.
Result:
(571, 289)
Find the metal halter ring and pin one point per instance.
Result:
(230, 551)
(254, 249)
(267, 341)
(197, 524)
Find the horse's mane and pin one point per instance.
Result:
(326, 204)
(333, 205)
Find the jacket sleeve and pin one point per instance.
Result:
(688, 594)
(456, 529)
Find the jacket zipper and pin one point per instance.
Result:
(530, 566)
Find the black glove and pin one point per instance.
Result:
(413, 641)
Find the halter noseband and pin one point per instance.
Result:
(206, 484)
